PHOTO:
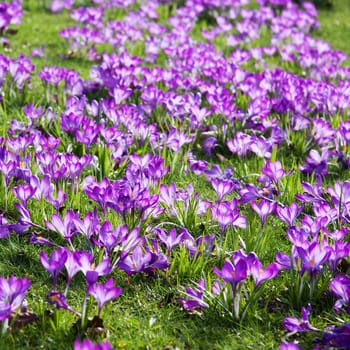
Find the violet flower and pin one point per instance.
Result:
(340, 286)
(233, 273)
(289, 346)
(55, 264)
(136, 261)
(86, 262)
(104, 293)
(313, 258)
(274, 171)
(336, 337)
(289, 213)
(12, 295)
(59, 300)
(264, 208)
(294, 325)
(194, 297)
(87, 344)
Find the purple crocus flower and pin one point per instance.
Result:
(65, 227)
(194, 297)
(264, 208)
(295, 325)
(274, 171)
(226, 213)
(260, 274)
(59, 300)
(222, 187)
(170, 240)
(289, 346)
(72, 268)
(12, 294)
(55, 264)
(313, 257)
(120, 94)
(87, 344)
(289, 213)
(209, 145)
(336, 337)
(86, 262)
(23, 192)
(316, 163)
(233, 273)
(340, 286)
(104, 292)
(136, 261)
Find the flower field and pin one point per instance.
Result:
(173, 175)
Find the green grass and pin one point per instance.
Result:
(335, 26)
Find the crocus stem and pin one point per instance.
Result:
(5, 326)
(236, 302)
(83, 313)
(301, 288)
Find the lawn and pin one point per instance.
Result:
(174, 174)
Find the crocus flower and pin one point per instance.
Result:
(194, 297)
(66, 226)
(104, 293)
(274, 171)
(260, 274)
(136, 261)
(87, 344)
(336, 337)
(55, 264)
(313, 257)
(289, 346)
(23, 193)
(340, 286)
(222, 187)
(59, 300)
(295, 325)
(86, 262)
(170, 240)
(289, 213)
(264, 208)
(12, 293)
(316, 163)
(233, 274)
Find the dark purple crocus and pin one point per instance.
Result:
(294, 325)
(55, 263)
(59, 300)
(209, 145)
(87, 344)
(104, 292)
(336, 337)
